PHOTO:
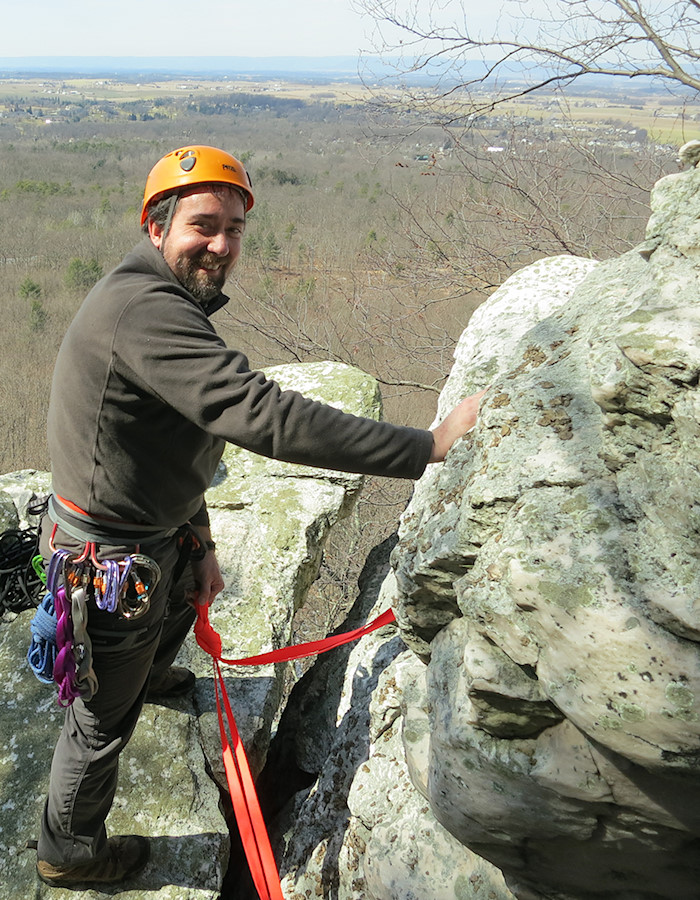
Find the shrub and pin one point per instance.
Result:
(29, 290)
(37, 315)
(82, 274)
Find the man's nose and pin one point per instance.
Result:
(218, 244)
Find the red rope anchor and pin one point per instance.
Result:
(246, 806)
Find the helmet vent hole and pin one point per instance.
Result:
(187, 161)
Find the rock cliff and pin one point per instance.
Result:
(536, 732)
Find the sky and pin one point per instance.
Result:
(191, 27)
(181, 28)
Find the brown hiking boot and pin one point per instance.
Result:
(174, 682)
(125, 856)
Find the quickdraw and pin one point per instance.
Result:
(60, 649)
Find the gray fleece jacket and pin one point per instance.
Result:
(145, 394)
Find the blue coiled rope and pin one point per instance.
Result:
(42, 649)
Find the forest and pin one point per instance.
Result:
(377, 228)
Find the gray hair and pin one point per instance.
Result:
(158, 210)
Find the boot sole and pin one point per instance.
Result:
(83, 879)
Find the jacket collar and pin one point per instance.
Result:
(154, 258)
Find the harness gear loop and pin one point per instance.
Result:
(61, 648)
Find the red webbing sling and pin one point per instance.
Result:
(244, 798)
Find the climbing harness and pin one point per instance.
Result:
(246, 806)
(61, 649)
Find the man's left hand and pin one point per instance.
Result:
(208, 581)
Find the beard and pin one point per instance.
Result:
(203, 285)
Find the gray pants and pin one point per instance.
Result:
(86, 758)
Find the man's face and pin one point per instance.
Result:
(204, 240)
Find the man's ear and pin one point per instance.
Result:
(155, 233)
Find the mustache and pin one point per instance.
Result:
(210, 260)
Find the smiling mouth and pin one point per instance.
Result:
(209, 265)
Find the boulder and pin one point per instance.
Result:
(271, 520)
(549, 577)
(362, 829)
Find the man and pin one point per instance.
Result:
(144, 396)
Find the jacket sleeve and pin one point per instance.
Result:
(175, 353)
(201, 517)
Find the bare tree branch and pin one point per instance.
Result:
(625, 38)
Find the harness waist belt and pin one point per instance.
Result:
(83, 527)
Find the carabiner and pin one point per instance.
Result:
(134, 605)
(135, 600)
(140, 560)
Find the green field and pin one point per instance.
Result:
(665, 119)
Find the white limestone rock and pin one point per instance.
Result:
(25, 488)
(364, 831)
(495, 327)
(550, 569)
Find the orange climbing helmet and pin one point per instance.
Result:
(196, 164)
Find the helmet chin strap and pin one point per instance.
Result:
(168, 220)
